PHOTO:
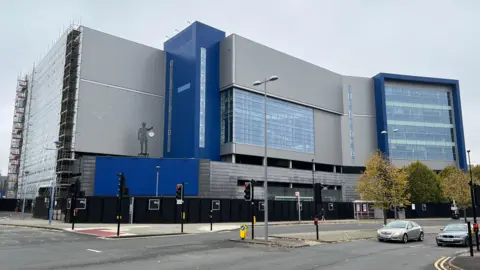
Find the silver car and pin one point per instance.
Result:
(401, 230)
(454, 234)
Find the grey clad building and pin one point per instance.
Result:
(205, 118)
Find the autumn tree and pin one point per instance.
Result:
(423, 183)
(456, 187)
(383, 184)
(476, 171)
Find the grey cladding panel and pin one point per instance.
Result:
(226, 61)
(365, 129)
(298, 80)
(328, 143)
(225, 176)
(108, 120)
(363, 100)
(112, 60)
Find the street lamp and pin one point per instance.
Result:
(54, 183)
(265, 183)
(473, 198)
(25, 174)
(384, 132)
(156, 187)
(313, 186)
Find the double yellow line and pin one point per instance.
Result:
(440, 263)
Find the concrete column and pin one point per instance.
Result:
(290, 164)
(233, 158)
(334, 169)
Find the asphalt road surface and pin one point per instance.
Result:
(40, 249)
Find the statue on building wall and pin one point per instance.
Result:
(143, 133)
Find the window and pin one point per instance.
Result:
(289, 126)
(424, 123)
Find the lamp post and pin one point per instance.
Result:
(25, 174)
(265, 183)
(156, 187)
(313, 186)
(54, 183)
(384, 132)
(472, 193)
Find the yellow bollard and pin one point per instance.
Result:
(243, 231)
(254, 220)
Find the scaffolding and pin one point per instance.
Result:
(17, 137)
(66, 154)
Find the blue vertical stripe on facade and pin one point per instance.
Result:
(184, 50)
(141, 174)
(381, 113)
(381, 110)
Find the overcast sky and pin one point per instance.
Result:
(361, 38)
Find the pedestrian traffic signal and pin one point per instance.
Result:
(179, 192)
(248, 191)
(121, 185)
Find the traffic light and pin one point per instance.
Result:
(179, 192)
(121, 185)
(248, 191)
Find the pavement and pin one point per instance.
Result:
(465, 262)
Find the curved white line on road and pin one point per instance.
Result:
(93, 250)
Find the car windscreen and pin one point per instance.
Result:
(456, 228)
(396, 224)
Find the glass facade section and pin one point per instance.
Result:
(290, 126)
(203, 79)
(424, 123)
(226, 116)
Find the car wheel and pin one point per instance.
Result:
(380, 240)
(405, 238)
(465, 242)
(421, 237)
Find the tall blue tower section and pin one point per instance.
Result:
(192, 96)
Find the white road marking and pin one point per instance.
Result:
(93, 250)
(414, 246)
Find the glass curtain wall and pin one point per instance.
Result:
(424, 119)
(290, 126)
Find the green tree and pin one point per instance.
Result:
(476, 171)
(423, 183)
(447, 171)
(456, 187)
(383, 184)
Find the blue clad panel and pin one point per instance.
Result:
(381, 113)
(380, 104)
(195, 55)
(141, 175)
(181, 63)
(208, 38)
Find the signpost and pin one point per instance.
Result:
(214, 206)
(243, 231)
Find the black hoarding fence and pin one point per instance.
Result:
(197, 210)
(15, 205)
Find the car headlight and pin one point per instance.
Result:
(397, 233)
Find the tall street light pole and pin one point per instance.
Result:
(25, 174)
(384, 132)
(54, 183)
(265, 182)
(313, 187)
(472, 193)
(156, 187)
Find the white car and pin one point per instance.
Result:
(401, 231)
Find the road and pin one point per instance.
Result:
(40, 249)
